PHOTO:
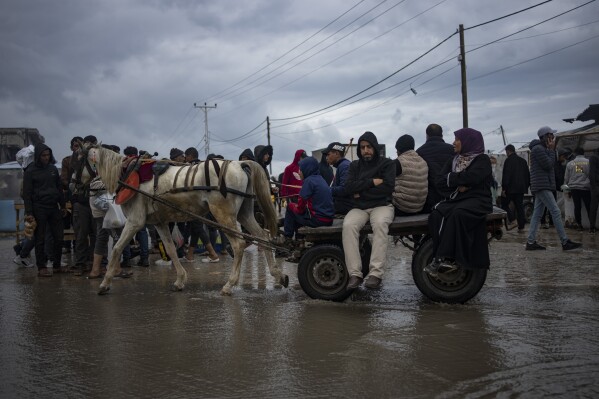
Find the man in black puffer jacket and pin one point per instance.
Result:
(370, 182)
(44, 200)
(435, 152)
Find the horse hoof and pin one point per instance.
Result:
(103, 290)
(224, 292)
(174, 288)
(285, 281)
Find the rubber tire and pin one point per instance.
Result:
(461, 286)
(322, 273)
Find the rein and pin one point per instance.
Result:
(264, 243)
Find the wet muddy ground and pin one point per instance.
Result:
(532, 331)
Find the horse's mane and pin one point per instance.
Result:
(109, 165)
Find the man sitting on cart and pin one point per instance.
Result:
(314, 207)
(370, 182)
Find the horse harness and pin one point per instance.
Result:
(159, 168)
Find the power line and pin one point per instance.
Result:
(543, 34)
(514, 65)
(335, 59)
(509, 15)
(311, 48)
(532, 26)
(373, 85)
(289, 51)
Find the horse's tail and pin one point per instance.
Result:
(261, 187)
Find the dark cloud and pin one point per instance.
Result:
(130, 71)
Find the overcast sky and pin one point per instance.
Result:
(129, 72)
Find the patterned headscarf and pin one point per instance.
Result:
(472, 146)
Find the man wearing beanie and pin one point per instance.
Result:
(542, 184)
(411, 178)
(370, 183)
(177, 155)
(435, 153)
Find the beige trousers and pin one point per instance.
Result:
(380, 218)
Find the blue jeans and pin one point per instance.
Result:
(142, 238)
(544, 198)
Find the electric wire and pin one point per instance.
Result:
(508, 15)
(299, 55)
(540, 34)
(531, 26)
(287, 52)
(335, 59)
(374, 84)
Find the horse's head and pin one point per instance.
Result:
(90, 151)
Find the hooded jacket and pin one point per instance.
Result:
(289, 177)
(248, 154)
(315, 194)
(41, 183)
(343, 201)
(259, 152)
(360, 180)
(542, 162)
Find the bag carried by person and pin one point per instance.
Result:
(115, 218)
(177, 237)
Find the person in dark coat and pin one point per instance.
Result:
(263, 155)
(247, 155)
(44, 200)
(314, 207)
(335, 154)
(594, 179)
(436, 153)
(515, 181)
(458, 223)
(542, 184)
(370, 182)
(326, 171)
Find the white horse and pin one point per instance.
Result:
(142, 209)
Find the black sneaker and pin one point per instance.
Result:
(534, 246)
(571, 245)
(432, 269)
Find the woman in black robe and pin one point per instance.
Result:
(458, 223)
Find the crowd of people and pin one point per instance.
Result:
(454, 183)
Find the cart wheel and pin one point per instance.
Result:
(453, 286)
(322, 273)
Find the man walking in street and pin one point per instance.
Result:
(542, 183)
(370, 182)
(515, 181)
(44, 200)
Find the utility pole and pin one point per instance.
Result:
(503, 135)
(462, 59)
(206, 133)
(268, 140)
